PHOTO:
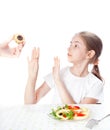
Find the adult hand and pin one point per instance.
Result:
(7, 51)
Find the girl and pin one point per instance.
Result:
(73, 84)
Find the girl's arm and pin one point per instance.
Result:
(33, 67)
(31, 95)
(88, 100)
(64, 94)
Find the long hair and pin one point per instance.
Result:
(93, 42)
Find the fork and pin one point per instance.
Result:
(91, 123)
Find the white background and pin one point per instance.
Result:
(50, 25)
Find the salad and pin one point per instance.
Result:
(69, 112)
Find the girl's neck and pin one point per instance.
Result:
(80, 71)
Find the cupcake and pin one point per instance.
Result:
(18, 38)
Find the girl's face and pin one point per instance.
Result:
(77, 50)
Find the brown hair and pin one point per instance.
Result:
(93, 42)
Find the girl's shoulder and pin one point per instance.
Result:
(93, 78)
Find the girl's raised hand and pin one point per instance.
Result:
(33, 63)
(56, 69)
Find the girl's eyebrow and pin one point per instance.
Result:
(75, 41)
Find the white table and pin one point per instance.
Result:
(35, 117)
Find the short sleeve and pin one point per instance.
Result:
(49, 80)
(96, 91)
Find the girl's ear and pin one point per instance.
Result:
(90, 54)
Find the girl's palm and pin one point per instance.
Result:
(56, 69)
(33, 64)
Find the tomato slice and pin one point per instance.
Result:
(76, 107)
(73, 107)
(70, 107)
(80, 114)
(64, 115)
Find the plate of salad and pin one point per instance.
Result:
(69, 112)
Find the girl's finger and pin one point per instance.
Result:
(37, 53)
(33, 53)
(56, 62)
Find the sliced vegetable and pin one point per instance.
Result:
(69, 112)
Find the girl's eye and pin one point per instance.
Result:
(70, 42)
(76, 45)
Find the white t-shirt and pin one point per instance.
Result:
(78, 87)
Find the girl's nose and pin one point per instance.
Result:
(68, 49)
